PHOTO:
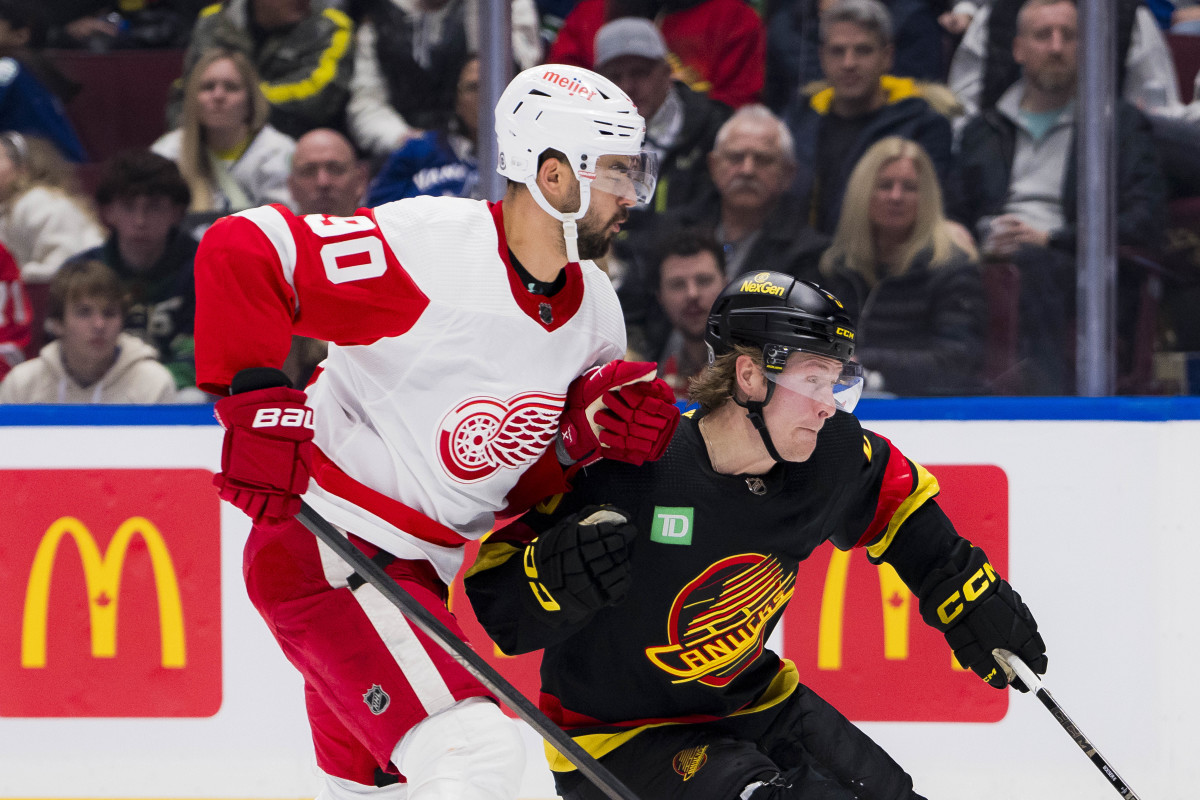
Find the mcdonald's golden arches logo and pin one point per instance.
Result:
(110, 594)
(102, 573)
(855, 633)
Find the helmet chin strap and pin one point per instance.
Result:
(754, 412)
(568, 219)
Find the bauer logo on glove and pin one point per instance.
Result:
(283, 418)
(266, 458)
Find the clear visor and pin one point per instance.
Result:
(820, 378)
(630, 177)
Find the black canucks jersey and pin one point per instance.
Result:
(713, 568)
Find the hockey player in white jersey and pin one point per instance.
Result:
(473, 361)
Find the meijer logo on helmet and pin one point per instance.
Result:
(572, 85)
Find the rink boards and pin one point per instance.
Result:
(131, 664)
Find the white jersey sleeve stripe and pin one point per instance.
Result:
(272, 223)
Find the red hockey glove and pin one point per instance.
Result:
(618, 411)
(978, 611)
(267, 455)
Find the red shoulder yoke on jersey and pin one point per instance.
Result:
(264, 274)
(898, 484)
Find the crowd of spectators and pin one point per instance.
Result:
(890, 150)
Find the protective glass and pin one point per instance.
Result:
(630, 177)
(818, 377)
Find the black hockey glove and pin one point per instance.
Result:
(582, 563)
(978, 611)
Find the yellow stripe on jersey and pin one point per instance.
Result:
(867, 448)
(491, 555)
(548, 505)
(601, 744)
(927, 487)
(326, 68)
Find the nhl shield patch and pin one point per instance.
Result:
(377, 699)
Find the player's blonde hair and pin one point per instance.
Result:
(716, 383)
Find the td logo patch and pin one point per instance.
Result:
(672, 525)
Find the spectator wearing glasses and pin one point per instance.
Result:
(753, 218)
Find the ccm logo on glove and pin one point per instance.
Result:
(283, 418)
(973, 589)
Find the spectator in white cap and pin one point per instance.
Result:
(681, 124)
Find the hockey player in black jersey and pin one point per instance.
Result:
(652, 589)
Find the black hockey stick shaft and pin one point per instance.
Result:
(1034, 684)
(463, 654)
(1085, 745)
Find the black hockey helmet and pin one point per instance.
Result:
(780, 314)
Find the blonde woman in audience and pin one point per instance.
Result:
(43, 219)
(228, 154)
(91, 361)
(908, 275)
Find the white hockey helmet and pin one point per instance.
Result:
(583, 116)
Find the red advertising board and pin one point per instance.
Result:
(857, 637)
(110, 593)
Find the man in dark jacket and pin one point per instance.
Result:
(681, 125)
(1015, 182)
(753, 218)
(861, 105)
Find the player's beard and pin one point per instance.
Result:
(594, 237)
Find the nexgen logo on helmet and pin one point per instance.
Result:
(785, 317)
(761, 285)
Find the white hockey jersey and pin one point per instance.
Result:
(445, 377)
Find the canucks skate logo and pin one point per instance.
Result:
(688, 762)
(482, 434)
(720, 620)
(377, 699)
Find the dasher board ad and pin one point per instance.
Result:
(132, 665)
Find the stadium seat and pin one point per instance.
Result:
(1185, 52)
(122, 98)
(1002, 288)
(39, 298)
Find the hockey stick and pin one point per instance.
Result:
(1013, 665)
(433, 627)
